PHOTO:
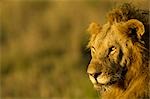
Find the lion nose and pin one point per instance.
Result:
(95, 75)
(92, 71)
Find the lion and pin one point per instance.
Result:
(119, 67)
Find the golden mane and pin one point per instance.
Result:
(128, 11)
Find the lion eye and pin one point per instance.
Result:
(93, 49)
(112, 50)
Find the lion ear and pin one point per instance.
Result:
(94, 28)
(135, 28)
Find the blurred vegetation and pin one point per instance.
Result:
(43, 48)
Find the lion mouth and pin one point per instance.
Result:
(102, 83)
(104, 87)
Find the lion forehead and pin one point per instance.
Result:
(108, 36)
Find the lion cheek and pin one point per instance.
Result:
(125, 62)
(103, 79)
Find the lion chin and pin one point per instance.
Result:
(101, 88)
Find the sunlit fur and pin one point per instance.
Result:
(131, 56)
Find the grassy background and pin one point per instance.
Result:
(43, 47)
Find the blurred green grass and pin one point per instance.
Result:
(43, 48)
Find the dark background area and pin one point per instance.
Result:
(43, 51)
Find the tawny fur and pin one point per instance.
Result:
(135, 84)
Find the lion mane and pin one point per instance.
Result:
(119, 68)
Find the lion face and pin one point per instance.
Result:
(111, 50)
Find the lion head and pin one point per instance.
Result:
(118, 53)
